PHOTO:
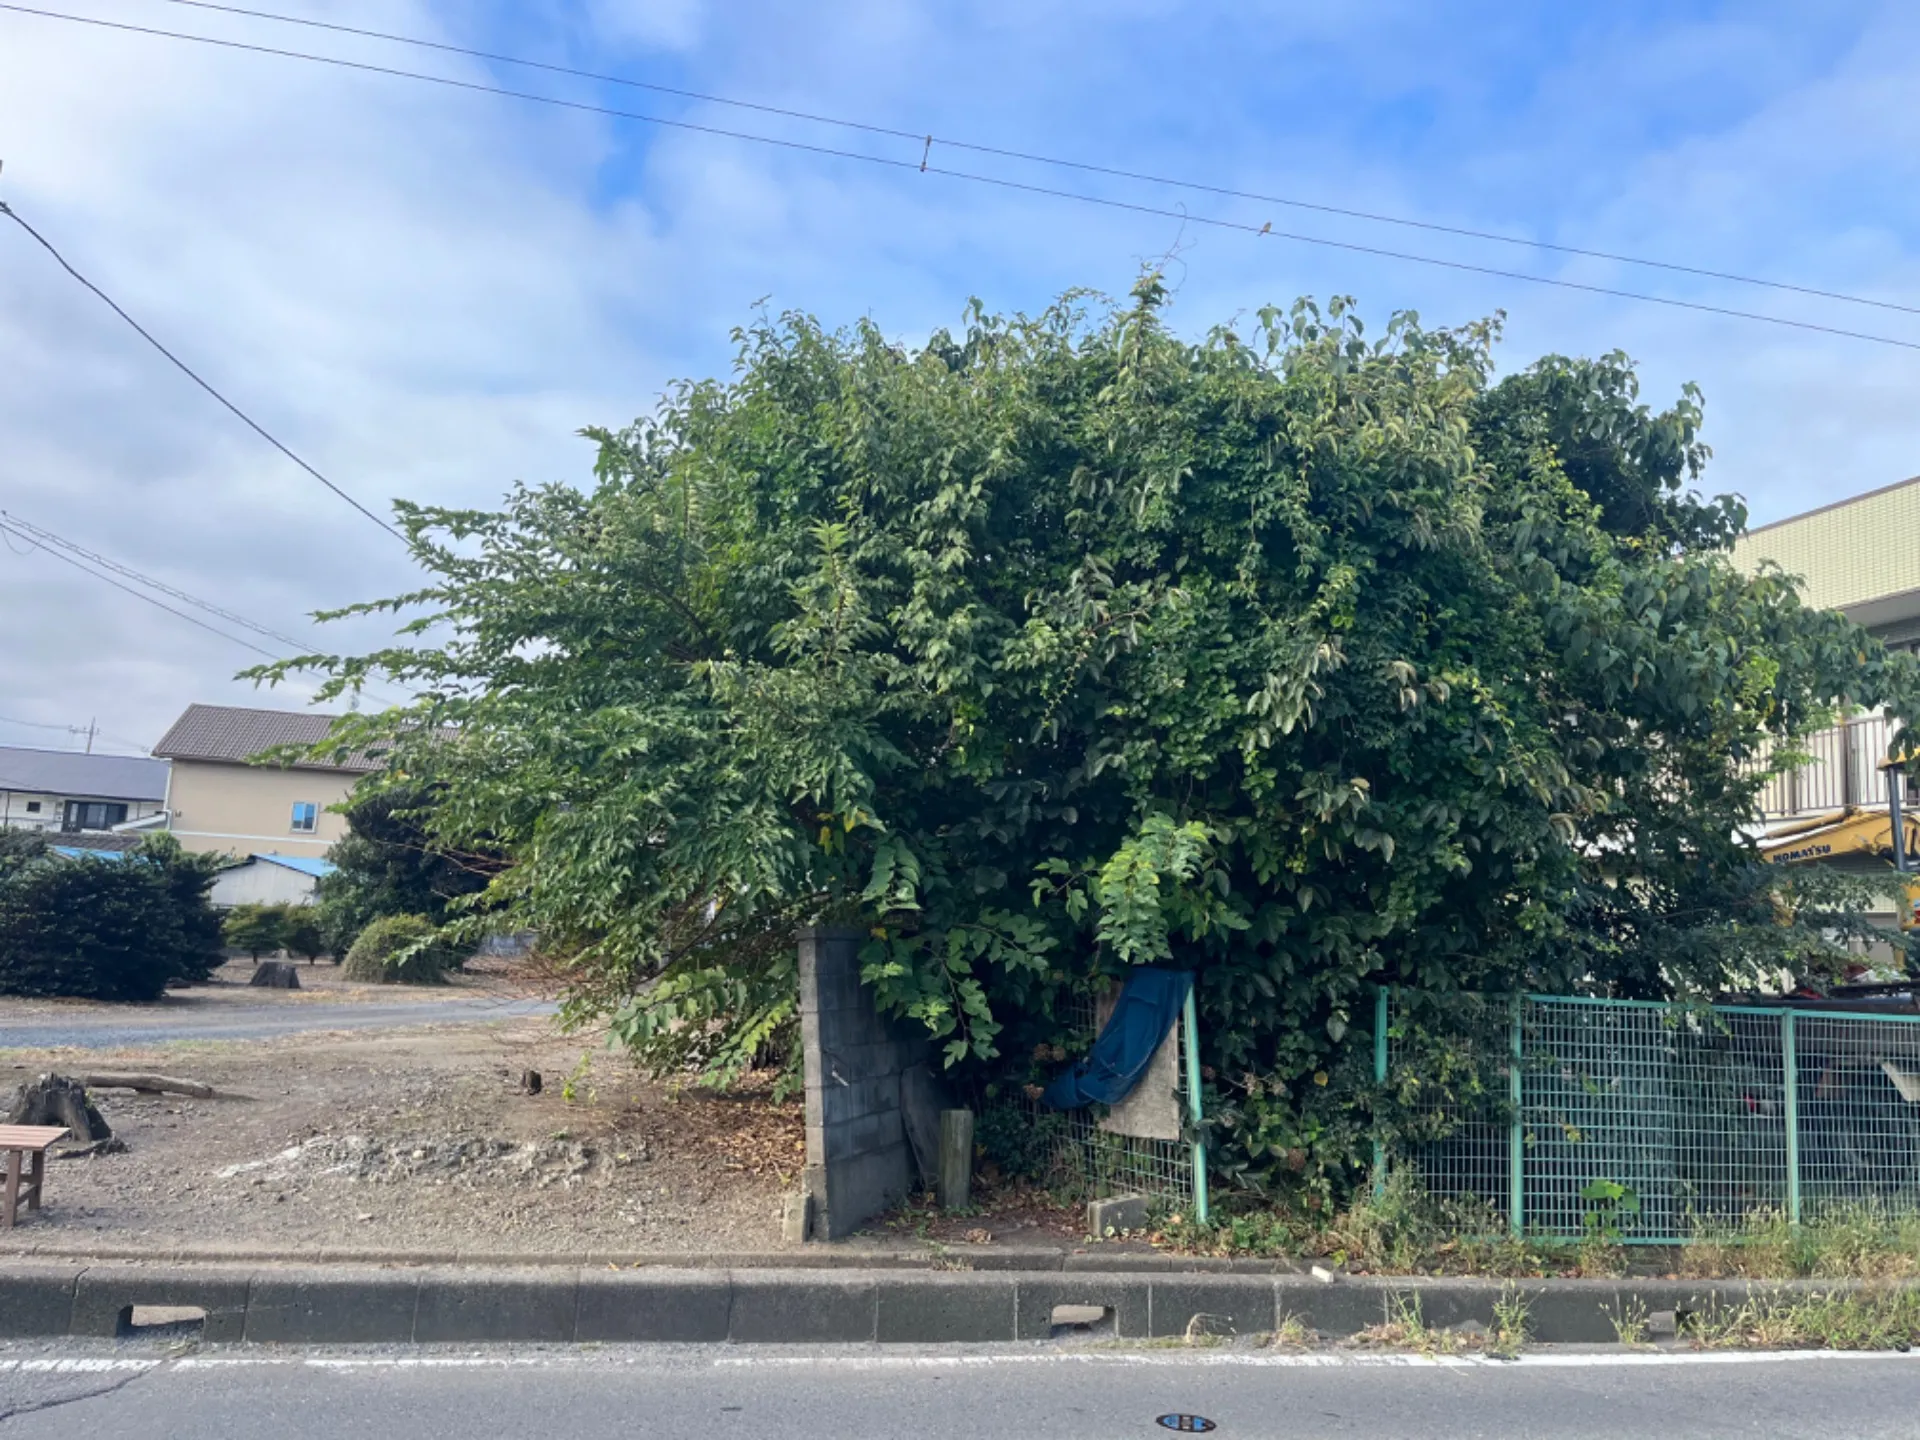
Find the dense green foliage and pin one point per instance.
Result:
(256, 929)
(388, 864)
(302, 934)
(1064, 645)
(105, 927)
(398, 950)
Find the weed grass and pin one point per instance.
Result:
(1870, 1318)
(1405, 1328)
(1403, 1231)
(1852, 1242)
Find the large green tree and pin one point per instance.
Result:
(388, 863)
(1062, 644)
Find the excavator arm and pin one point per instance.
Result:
(1851, 833)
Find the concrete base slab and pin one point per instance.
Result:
(1119, 1212)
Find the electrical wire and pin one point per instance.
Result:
(92, 730)
(37, 538)
(47, 537)
(191, 374)
(43, 725)
(140, 595)
(930, 140)
(1000, 182)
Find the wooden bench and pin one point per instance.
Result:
(16, 1142)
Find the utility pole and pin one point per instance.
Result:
(92, 725)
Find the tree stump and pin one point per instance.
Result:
(59, 1100)
(276, 975)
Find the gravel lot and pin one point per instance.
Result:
(414, 1137)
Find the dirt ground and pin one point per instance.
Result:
(427, 1138)
(422, 1137)
(320, 983)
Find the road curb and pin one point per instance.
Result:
(310, 1304)
(811, 1257)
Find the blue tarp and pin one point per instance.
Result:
(1149, 1003)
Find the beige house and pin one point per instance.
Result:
(218, 801)
(1862, 558)
(1859, 556)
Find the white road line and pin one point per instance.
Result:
(1313, 1360)
(1318, 1360)
(456, 1362)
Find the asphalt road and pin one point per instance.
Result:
(867, 1395)
(95, 1030)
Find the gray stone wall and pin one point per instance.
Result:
(860, 1146)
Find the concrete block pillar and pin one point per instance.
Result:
(860, 1159)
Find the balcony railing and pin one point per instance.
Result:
(1843, 769)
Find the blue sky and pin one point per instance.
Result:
(427, 292)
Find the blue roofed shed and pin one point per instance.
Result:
(270, 880)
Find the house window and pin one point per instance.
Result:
(306, 817)
(92, 815)
(33, 807)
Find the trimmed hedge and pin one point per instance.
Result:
(386, 953)
(120, 928)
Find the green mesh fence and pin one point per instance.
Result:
(1555, 1117)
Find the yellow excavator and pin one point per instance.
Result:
(1858, 840)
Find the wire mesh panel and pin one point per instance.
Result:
(1859, 1111)
(1646, 1121)
(1107, 1163)
(1449, 1098)
(1650, 1123)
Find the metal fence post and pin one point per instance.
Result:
(1379, 1079)
(1190, 1018)
(1790, 1063)
(1516, 1137)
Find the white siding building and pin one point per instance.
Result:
(63, 791)
(269, 880)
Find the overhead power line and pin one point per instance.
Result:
(61, 548)
(999, 182)
(93, 732)
(930, 140)
(194, 376)
(7, 527)
(41, 725)
(48, 538)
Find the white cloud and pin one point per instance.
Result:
(652, 24)
(427, 293)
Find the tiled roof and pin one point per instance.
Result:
(72, 775)
(93, 842)
(235, 735)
